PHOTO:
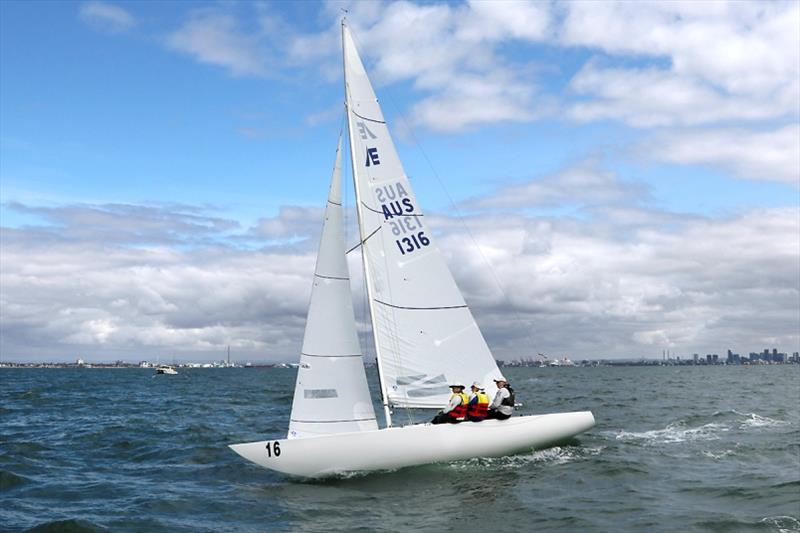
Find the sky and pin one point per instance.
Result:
(605, 179)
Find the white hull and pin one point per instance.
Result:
(398, 447)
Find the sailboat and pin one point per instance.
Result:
(424, 333)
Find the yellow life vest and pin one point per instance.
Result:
(480, 407)
(459, 412)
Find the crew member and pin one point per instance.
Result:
(456, 409)
(478, 403)
(503, 404)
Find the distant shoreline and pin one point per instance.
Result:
(284, 366)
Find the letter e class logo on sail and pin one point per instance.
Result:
(372, 157)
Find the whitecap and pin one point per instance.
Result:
(555, 455)
(753, 420)
(783, 524)
(675, 432)
(718, 455)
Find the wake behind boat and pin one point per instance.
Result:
(424, 333)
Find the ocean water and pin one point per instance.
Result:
(674, 449)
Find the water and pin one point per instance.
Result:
(674, 449)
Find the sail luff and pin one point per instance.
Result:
(363, 236)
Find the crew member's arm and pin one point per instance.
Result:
(498, 398)
(455, 401)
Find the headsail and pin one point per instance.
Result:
(425, 335)
(331, 394)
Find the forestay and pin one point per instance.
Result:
(425, 335)
(331, 394)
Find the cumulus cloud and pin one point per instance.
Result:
(762, 155)
(725, 60)
(653, 97)
(647, 64)
(81, 283)
(620, 280)
(217, 38)
(106, 17)
(633, 286)
(126, 223)
(583, 184)
(292, 223)
(452, 59)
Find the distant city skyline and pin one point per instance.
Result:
(224, 359)
(605, 179)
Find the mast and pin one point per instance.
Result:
(384, 396)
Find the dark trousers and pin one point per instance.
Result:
(497, 415)
(444, 418)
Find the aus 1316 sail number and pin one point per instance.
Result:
(414, 239)
(412, 242)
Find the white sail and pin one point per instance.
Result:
(425, 335)
(331, 394)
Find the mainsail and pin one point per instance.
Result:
(425, 335)
(331, 394)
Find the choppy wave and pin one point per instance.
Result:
(718, 455)
(10, 480)
(674, 433)
(66, 526)
(783, 524)
(752, 420)
(126, 452)
(692, 428)
(555, 455)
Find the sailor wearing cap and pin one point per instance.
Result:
(503, 404)
(478, 403)
(456, 409)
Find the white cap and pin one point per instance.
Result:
(501, 378)
(477, 385)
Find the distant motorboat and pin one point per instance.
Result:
(165, 369)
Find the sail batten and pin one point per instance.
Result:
(422, 326)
